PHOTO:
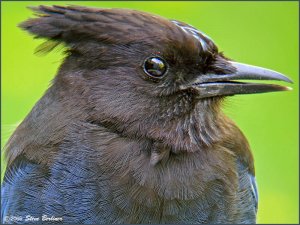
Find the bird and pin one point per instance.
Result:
(131, 129)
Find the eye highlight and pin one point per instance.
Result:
(155, 67)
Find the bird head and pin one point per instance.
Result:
(145, 75)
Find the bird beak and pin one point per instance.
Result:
(210, 85)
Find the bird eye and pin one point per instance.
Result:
(155, 67)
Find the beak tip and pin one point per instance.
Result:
(259, 73)
(286, 79)
(290, 81)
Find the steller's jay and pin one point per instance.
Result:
(131, 129)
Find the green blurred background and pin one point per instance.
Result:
(259, 33)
